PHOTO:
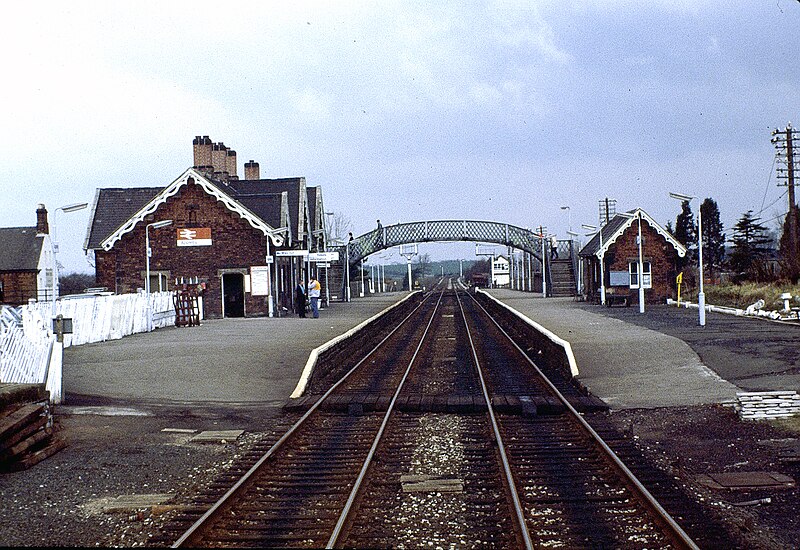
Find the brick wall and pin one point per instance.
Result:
(18, 287)
(236, 246)
(656, 250)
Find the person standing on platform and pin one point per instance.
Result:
(313, 295)
(553, 247)
(300, 299)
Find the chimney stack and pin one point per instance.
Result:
(219, 157)
(41, 220)
(251, 171)
(202, 151)
(231, 163)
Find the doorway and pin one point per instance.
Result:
(233, 295)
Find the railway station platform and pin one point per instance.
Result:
(662, 358)
(247, 361)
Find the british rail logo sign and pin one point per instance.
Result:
(194, 236)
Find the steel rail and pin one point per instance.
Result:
(242, 481)
(337, 531)
(673, 531)
(519, 511)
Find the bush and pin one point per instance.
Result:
(745, 294)
(75, 283)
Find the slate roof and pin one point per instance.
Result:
(294, 187)
(607, 230)
(20, 249)
(264, 198)
(316, 217)
(273, 208)
(113, 207)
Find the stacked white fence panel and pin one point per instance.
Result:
(766, 405)
(25, 351)
(101, 318)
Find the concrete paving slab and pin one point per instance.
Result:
(217, 436)
(132, 502)
(626, 365)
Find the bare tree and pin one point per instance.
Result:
(338, 225)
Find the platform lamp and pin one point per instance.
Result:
(66, 209)
(701, 296)
(638, 217)
(569, 218)
(154, 225)
(588, 227)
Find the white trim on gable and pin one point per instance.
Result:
(609, 241)
(210, 188)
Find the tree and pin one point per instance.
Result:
(685, 226)
(685, 231)
(337, 227)
(713, 237)
(75, 283)
(751, 247)
(790, 246)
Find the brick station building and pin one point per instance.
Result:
(619, 253)
(225, 234)
(27, 262)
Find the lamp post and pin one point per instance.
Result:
(640, 267)
(66, 209)
(588, 227)
(154, 225)
(569, 218)
(362, 277)
(701, 296)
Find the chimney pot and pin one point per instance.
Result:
(42, 226)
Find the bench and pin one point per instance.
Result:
(614, 298)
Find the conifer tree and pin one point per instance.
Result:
(751, 247)
(713, 237)
(685, 232)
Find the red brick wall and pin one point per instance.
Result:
(655, 249)
(18, 287)
(236, 245)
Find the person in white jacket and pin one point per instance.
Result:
(313, 295)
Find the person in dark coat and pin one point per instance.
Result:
(300, 299)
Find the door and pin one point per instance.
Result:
(233, 294)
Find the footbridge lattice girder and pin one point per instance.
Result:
(443, 231)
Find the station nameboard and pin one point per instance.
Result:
(323, 257)
(285, 253)
(194, 236)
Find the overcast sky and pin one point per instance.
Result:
(404, 111)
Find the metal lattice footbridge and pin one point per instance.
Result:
(443, 231)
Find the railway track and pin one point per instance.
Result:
(418, 444)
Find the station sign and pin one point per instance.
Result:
(259, 280)
(194, 236)
(323, 257)
(291, 253)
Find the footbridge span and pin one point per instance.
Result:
(442, 231)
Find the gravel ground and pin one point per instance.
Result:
(125, 453)
(109, 456)
(691, 441)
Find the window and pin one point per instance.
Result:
(633, 270)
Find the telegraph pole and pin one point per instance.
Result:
(784, 141)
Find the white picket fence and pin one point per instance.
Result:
(30, 352)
